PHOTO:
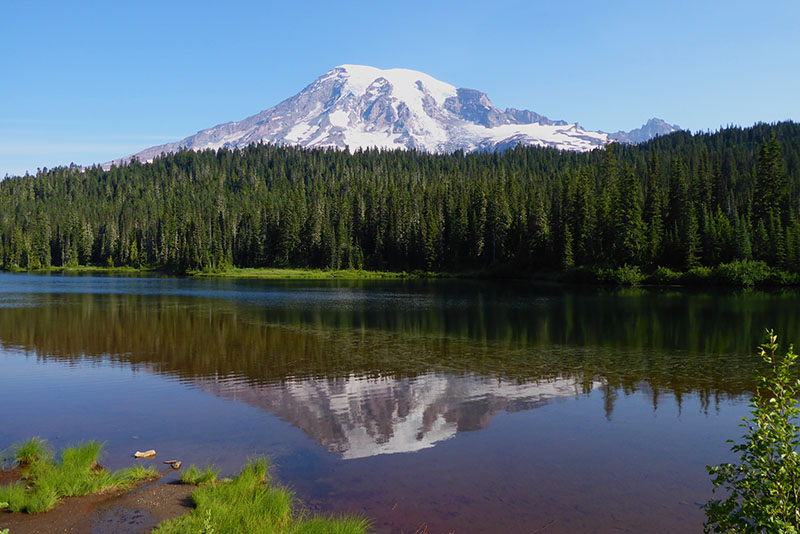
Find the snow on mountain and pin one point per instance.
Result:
(356, 106)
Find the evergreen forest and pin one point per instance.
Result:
(683, 201)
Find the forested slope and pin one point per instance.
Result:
(680, 201)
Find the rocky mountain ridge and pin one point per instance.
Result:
(360, 107)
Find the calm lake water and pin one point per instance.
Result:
(452, 405)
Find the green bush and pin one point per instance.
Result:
(664, 276)
(743, 272)
(627, 275)
(763, 487)
(783, 278)
(698, 276)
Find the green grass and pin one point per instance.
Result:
(199, 478)
(308, 274)
(76, 473)
(30, 451)
(251, 503)
(85, 269)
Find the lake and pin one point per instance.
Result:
(451, 406)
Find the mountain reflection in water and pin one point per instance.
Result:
(360, 417)
(424, 370)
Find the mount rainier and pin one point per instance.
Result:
(357, 106)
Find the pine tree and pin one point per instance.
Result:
(628, 219)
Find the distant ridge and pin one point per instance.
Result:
(652, 128)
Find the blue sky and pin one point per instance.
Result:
(86, 82)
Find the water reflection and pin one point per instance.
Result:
(393, 368)
(567, 387)
(360, 417)
(674, 341)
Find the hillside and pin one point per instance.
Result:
(680, 200)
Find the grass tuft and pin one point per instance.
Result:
(13, 495)
(251, 503)
(199, 478)
(31, 451)
(76, 473)
(41, 500)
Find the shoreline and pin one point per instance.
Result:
(734, 275)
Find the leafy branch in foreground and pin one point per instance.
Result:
(764, 487)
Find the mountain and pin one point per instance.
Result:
(652, 128)
(357, 106)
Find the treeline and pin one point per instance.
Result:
(679, 201)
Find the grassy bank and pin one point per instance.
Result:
(87, 269)
(308, 274)
(250, 503)
(744, 273)
(46, 481)
(263, 273)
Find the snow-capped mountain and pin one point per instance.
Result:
(654, 127)
(357, 106)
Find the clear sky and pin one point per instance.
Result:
(86, 82)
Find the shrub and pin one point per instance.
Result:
(664, 276)
(743, 272)
(698, 275)
(763, 488)
(628, 275)
(784, 278)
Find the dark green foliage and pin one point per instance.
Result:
(763, 487)
(744, 272)
(682, 201)
(665, 276)
(626, 275)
